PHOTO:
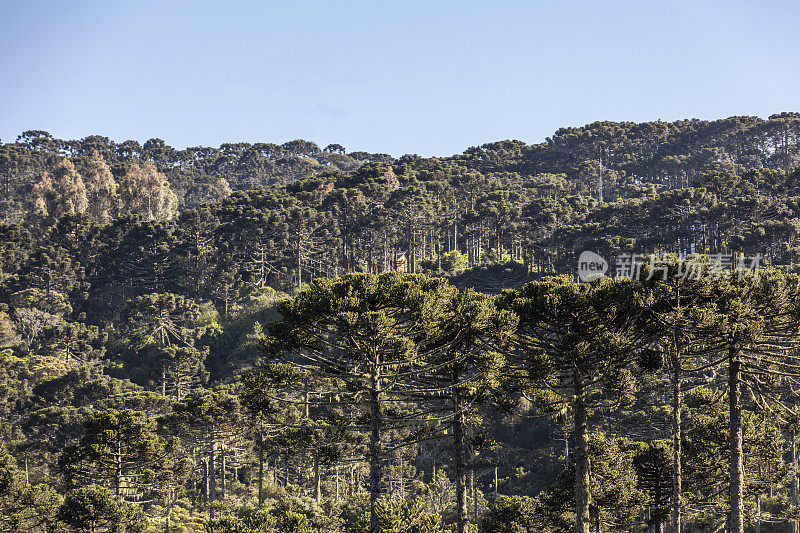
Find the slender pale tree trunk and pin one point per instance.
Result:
(499, 243)
(222, 471)
(736, 523)
(299, 261)
(261, 465)
(351, 481)
(375, 444)
(758, 513)
(459, 445)
(117, 467)
(795, 487)
(600, 179)
(582, 486)
(676, 445)
(205, 480)
(473, 490)
(212, 477)
(317, 479)
(385, 251)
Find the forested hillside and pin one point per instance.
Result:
(263, 337)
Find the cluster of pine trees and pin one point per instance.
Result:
(143, 191)
(214, 338)
(675, 395)
(587, 353)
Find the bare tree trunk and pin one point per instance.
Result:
(375, 445)
(676, 445)
(459, 445)
(212, 478)
(736, 523)
(385, 251)
(473, 490)
(795, 487)
(117, 467)
(261, 465)
(222, 471)
(299, 262)
(205, 480)
(758, 513)
(582, 486)
(317, 479)
(659, 526)
(499, 243)
(600, 180)
(351, 486)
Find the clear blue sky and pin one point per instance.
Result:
(428, 77)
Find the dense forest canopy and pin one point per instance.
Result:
(263, 337)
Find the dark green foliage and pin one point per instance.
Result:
(260, 522)
(23, 507)
(398, 516)
(119, 450)
(512, 514)
(145, 293)
(92, 509)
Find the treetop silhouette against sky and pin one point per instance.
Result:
(431, 78)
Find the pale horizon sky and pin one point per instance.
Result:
(431, 78)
